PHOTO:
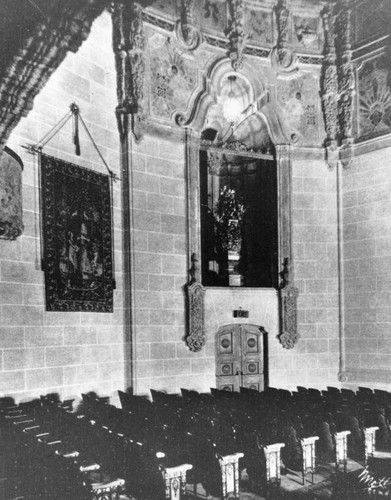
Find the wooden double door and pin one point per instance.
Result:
(240, 357)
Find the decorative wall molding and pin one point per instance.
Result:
(282, 55)
(196, 310)
(129, 45)
(157, 21)
(236, 33)
(186, 32)
(224, 44)
(371, 48)
(64, 29)
(288, 303)
(329, 87)
(288, 293)
(345, 71)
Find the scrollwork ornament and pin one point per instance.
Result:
(188, 35)
(180, 119)
(329, 78)
(195, 295)
(342, 377)
(196, 336)
(236, 34)
(186, 32)
(282, 56)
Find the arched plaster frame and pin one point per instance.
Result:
(266, 112)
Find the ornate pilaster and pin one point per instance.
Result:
(329, 88)
(287, 292)
(236, 33)
(64, 28)
(345, 71)
(288, 302)
(282, 56)
(129, 45)
(186, 32)
(195, 295)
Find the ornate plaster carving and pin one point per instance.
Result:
(186, 32)
(195, 295)
(65, 27)
(342, 377)
(283, 56)
(11, 211)
(236, 33)
(374, 89)
(129, 45)
(288, 298)
(306, 30)
(345, 70)
(329, 87)
(173, 78)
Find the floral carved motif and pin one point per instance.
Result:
(345, 71)
(195, 295)
(329, 88)
(236, 33)
(329, 79)
(288, 302)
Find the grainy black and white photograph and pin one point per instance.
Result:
(195, 249)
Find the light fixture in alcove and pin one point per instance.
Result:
(232, 107)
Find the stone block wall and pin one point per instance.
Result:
(62, 352)
(159, 248)
(367, 269)
(163, 360)
(313, 362)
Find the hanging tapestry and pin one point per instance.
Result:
(76, 225)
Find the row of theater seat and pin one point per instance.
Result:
(150, 449)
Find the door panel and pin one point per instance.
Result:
(239, 357)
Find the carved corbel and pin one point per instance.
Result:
(346, 155)
(332, 154)
(288, 307)
(186, 32)
(195, 296)
(236, 33)
(282, 56)
(329, 87)
(129, 45)
(345, 71)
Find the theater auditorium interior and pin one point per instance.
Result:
(195, 249)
